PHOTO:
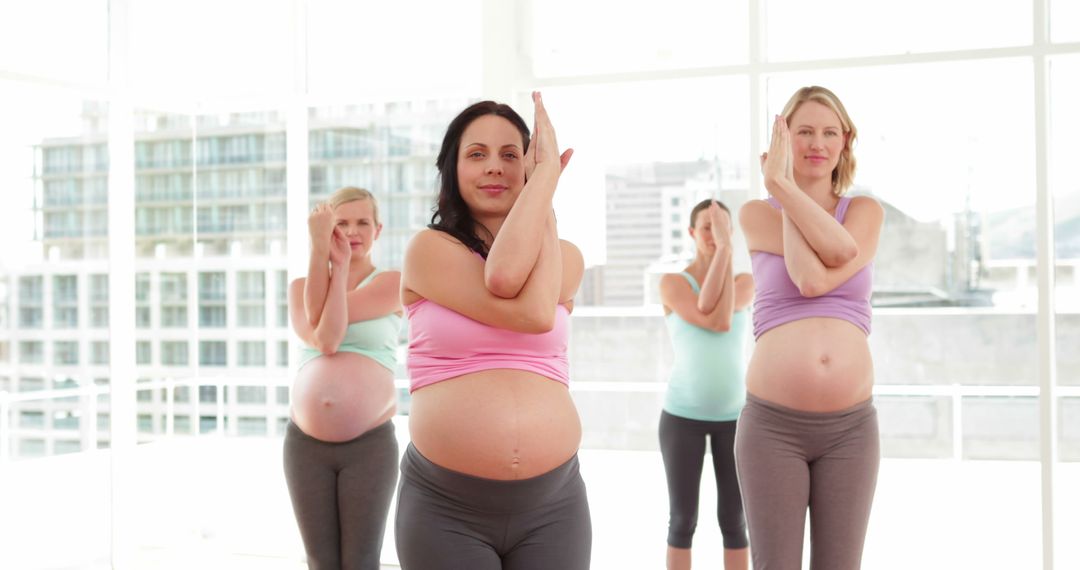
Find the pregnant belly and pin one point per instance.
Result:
(341, 396)
(496, 424)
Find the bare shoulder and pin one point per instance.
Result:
(429, 238)
(756, 208)
(760, 224)
(430, 246)
(387, 275)
(866, 205)
(671, 282)
(865, 210)
(571, 254)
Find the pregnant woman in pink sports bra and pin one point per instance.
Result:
(340, 450)
(490, 480)
(808, 435)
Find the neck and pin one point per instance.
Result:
(819, 189)
(492, 224)
(700, 264)
(360, 267)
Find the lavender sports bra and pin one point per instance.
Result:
(777, 299)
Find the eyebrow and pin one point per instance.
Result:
(480, 144)
(826, 127)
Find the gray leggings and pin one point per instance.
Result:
(341, 495)
(448, 520)
(682, 447)
(789, 460)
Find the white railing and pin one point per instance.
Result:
(227, 406)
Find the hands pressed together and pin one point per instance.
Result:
(544, 148)
(325, 234)
(776, 164)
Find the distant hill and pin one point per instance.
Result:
(1011, 233)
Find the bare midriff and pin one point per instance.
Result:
(498, 424)
(341, 396)
(817, 365)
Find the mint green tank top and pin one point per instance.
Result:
(708, 377)
(375, 338)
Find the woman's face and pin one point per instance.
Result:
(357, 220)
(817, 139)
(701, 231)
(489, 165)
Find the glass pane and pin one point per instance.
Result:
(439, 53)
(36, 40)
(388, 148)
(695, 149)
(1065, 90)
(1064, 21)
(205, 48)
(677, 34)
(802, 31)
(954, 326)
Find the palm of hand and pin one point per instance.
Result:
(340, 250)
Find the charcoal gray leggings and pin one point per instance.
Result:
(448, 520)
(789, 460)
(341, 495)
(682, 446)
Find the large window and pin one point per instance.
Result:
(237, 117)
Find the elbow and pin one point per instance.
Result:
(326, 346)
(722, 327)
(539, 321)
(503, 285)
(811, 288)
(842, 256)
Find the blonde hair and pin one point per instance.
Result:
(352, 194)
(843, 176)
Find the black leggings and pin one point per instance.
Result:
(341, 495)
(682, 445)
(448, 520)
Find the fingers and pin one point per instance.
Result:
(565, 158)
(547, 147)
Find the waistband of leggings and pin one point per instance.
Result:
(385, 429)
(853, 414)
(489, 495)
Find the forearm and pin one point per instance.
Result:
(828, 238)
(334, 318)
(540, 293)
(713, 285)
(515, 251)
(317, 283)
(719, 317)
(803, 265)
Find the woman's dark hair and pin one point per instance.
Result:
(451, 214)
(702, 205)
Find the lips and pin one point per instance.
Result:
(817, 159)
(493, 188)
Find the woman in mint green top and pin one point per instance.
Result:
(340, 451)
(709, 329)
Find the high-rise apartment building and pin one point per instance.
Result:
(648, 211)
(211, 270)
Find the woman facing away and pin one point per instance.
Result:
(340, 450)
(490, 480)
(705, 310)
(808, 435)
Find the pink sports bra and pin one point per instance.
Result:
(445, 344)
